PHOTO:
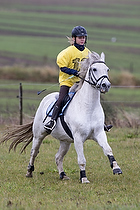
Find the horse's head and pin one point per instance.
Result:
(97, 74)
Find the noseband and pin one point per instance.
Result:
(91, 74)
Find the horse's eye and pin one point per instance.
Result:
(108, 69)
(94, 69)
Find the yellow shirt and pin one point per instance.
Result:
(70, 58)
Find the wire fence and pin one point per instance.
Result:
(22, 99)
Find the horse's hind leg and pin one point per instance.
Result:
(102, 141)
(63, 149)
(34, 151)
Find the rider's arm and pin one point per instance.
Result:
(69, 71)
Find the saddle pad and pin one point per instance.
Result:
(50, 109)
(51, 106)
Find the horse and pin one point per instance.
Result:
(84, 117)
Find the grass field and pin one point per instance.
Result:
(34, 33)
(46, 191)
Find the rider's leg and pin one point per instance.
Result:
(49, 126)
(57, 108)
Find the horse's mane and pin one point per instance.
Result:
(84, 65)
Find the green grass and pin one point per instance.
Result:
(46, 191)
(39, 30)
(123, 95)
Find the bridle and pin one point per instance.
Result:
(94, 82)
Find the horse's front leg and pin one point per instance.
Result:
(102, 141)
(78, 143)
(63, 149)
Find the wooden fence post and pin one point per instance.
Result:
(20, 102)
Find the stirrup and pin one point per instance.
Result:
(107, 127)
(50, 126)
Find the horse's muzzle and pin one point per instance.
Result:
(105, 86)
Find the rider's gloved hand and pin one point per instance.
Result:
(76, 73)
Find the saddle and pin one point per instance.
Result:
(65, 104)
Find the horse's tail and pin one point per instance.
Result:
(19, 134)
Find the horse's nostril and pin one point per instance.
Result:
(103, 85)
(106, 86)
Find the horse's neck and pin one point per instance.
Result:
(88, 95)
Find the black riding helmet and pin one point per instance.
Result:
(79, 31)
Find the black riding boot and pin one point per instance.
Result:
(107, 127)
(49, 126)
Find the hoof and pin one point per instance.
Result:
(116, 168)
(66, 178)
(117, 171)
(63, 176)
(29, 174)
(85, 180)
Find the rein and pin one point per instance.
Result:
(94, 84)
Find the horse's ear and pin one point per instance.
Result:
(103, 56)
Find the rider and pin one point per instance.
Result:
(68, 62)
